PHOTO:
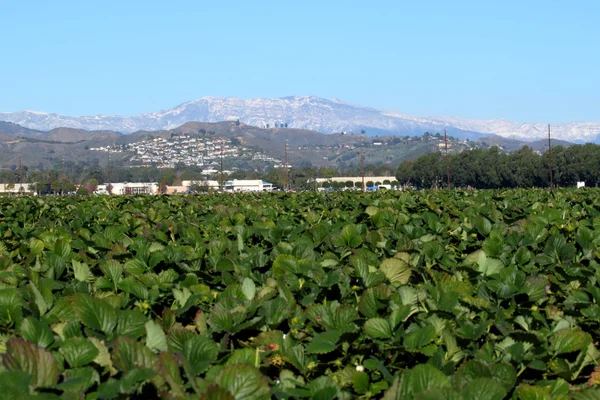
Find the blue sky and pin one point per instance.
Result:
(535, 61)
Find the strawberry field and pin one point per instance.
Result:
(425, 295)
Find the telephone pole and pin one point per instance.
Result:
(20, 173)
(447, 164)
(222, 183)
(550, 154)
(362, 160)
(287, 174)
(108, 187)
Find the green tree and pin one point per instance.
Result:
(167, 178)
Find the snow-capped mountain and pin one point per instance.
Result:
(305, 112)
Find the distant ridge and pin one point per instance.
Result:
(306, 112)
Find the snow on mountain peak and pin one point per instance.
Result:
(305, 112)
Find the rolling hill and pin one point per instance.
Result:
(50, 149)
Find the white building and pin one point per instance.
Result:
(16, 188)
(212, 185)
(358, 179)
(129, 188)
(248, 185)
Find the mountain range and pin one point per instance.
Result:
(308, 113)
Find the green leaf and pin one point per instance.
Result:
(244, 382)
(421, 378)
(62, 248)
(348, 237)
(130, 323)
(95, 313)
(198, 353)
(484, 264)
(484, 388)
(169, 369)
(568, 340)
(439, 394)
(132, 286)
(332, 316)
(433, 250)
(128, 354)
(508, 281)
(113, 271)
(371, 210)
(535, 287)
(156, 340)
(360, 382)
(378, 328)
(10, 307)
(483, 225)
(242, 356)
(588, 394)
(78, 352)
(135, 266)
(103, 358)
(323, 388)
(78, 380)
(396, 270)
(14, 385)
(504, 374)
(36, 246)
(528, 392)
(22, 355)
(221, 319)
(323, 342)
(81, 271)
(36, 332)
(419, 338)
(275, 311)
(248, 288)
(296, 356)
(468, 372)
(216, 392)
(558, 251)
(38, 298)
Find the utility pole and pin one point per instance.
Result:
(447, 164)
(20, 173)
(108, 187)
(287, 174)
(550, 154)
(222, 183)
(362, 160)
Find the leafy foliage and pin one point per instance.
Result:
(428, 295)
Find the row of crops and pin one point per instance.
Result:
(426, 295)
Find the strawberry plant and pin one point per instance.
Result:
(395, 295)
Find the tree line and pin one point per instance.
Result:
(492, 169)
